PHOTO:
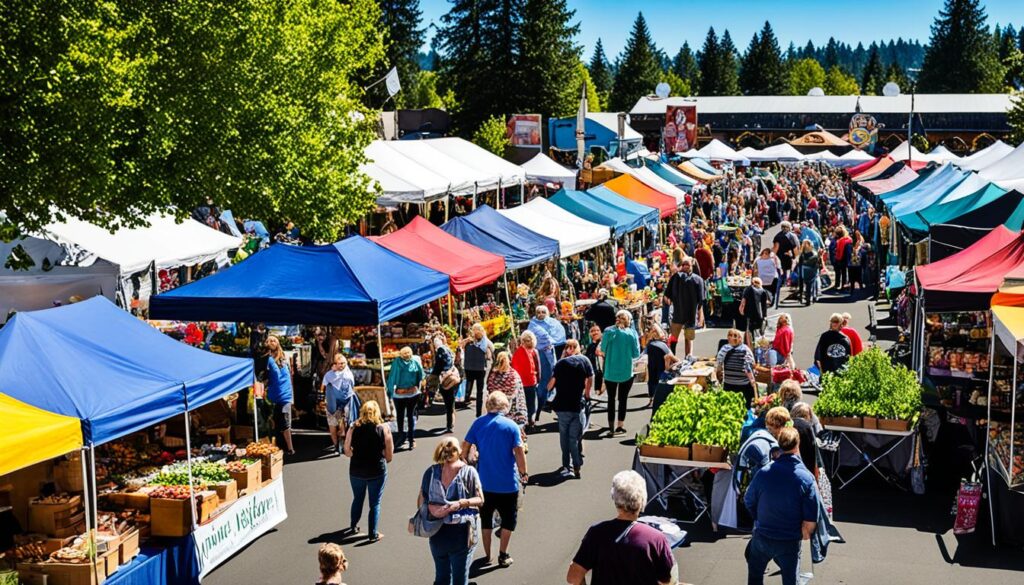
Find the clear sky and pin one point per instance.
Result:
(674, 21)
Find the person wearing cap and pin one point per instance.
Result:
(601, 312)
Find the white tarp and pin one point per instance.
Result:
(986, 156)
(574, 234)
(857, 155)
(1007, 168)
(907, 151)
(402, 179)
(647, 177)
(541, 169)
(942, 154)
(718, 150)
(480, 159)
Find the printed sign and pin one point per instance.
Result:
(244, 521)
(524, 130)
(680, 132)
(863, 131)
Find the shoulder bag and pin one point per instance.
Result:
(422, 524)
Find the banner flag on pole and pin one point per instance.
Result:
(392, 81)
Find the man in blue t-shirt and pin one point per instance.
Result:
(502, 466)
(783, 501)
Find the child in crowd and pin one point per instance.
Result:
(332, 564)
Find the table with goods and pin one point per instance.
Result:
(150, 527)
(695, 429)
(869, 411)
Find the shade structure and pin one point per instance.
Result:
(949, 238)
(574, 234)
(599, 210)
(778, 152)
(922, 176)
(857, 169)
(117, 375)
(898, 179)
(487, 164)
(820, 139)
(929, 192)
(488, 230)
(870, 172)
(1007, 168)
(351, 282)
(466, 265)
(671, 174)
(986, 156)
(858, 156)
(704, 165)
(630, 188)
(967, 280)
(949, 209)
(649, 215)
(30, 435)
(1008, 327)
(647, 177)
(907, 151)
(1009, 295)
(692, 170)
(942, 154)
(718, 150)
(541, 169)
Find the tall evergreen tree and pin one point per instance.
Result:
(639, 70)
(791, 54)
(400, 20)
(548, 57)
(831, 54)
(684, 65)
(708, 60)
(808, 52)
(601, 73)
(762, 71)
(729, 66)
(961, 57)
(1007, 42)
(897, 75)
(873, 77)
(1015, 118)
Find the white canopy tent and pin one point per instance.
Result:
(77, 258)
(942, 154)
(542, 169)
(404, 180)
(985, 156)
(821, 155)
(649, 178)
(479, 159)
(718, 150)
(907, 151)
(749, 152)
(1007, 168)
(574, 234)
(778, 152)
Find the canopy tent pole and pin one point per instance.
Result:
(450, 301)
(188, 464)
(383, 382)
(508, 299)
(497, 196)
(473, 205)
(988, 424)
(255, 413)
(446, 201)
(93, 497)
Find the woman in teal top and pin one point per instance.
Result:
(403, 386)
(620, 347)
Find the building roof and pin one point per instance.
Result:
(830, 104)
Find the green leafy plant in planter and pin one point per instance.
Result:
(721, 420)
(871, 385)
(676, 420)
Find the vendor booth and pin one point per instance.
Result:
(489, 230)
(900, 178)
(634, 190)
(949, 238)
(648, 178)
(139, 466)
(690, 169)
(599, 210)
(574, 234)
(541, 169)
(986, 156)
(81, 259)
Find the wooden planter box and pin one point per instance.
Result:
(854, 422)
(888, 424)
(665, 452)
(709, 453)
(250, 479)
(50, 519)
(273, 465)
(174, 517)
(870, 422)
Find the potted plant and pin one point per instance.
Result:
(718, 427)
(671, 430)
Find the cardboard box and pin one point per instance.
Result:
(64, 573)
(227, 491)
(138, 500)
(273, 465)
(665, 452)
(174, 517)
(129, 547)
(250, 479)
(49, 518)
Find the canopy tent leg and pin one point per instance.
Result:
(188, 465)
(446, 201)
(988, 424)
(508, 299)
(450, 316)
(91, 496)
(380, 350)
(255, 413)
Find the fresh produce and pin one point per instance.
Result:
(261, 449)
(871, 385)
(33, 552)
(675, 422)
(709, 418)
(211, 472)
(240, 465)
(77, 552)
(171, 492)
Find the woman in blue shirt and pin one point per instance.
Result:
(620, 347)
(453, 493)
(279, 390)
(403, 386)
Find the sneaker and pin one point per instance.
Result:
(564, 471)
(504, 560)
(620, 431)
(576, 472)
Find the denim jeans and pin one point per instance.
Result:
(570, 431)
(360, 487)
(807, 278)
(406, 412)
(531, 401)
(452, 554)
(785, 553)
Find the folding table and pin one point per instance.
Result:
(873, 446)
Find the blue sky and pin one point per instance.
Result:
(674, 21)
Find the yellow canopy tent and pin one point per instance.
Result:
(29, 435)
(691, 170)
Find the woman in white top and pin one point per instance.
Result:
(769, 269)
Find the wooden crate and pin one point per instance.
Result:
(49, 518)
(64, 573)
(174, 517)
(68, 475)
(709, 453)
(129, 547)
(250, 479)
(665, 452)
(273, 465)
(227, 491)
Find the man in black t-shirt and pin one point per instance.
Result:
(754, 307)
(785, 246)
(833, 350)
(602, 312)
(572, 377)
(686, 293)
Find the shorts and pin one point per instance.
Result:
(283, 417)
(507, 506)
(334, 420)
(756, 327)
(689, 333)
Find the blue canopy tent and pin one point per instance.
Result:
(949, 211)
(705, 165)
(487, 229)
(96, 362)
(922, 176)
(598, 211)
(671, 175)
(923, 182)
(649, 214)
(351, 282)
(927, 194)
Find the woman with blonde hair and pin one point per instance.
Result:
(332, 563)
(279, 390)
(452, 491)
(477, 355)
(404, 387)
(505, 378)
(371, 447)
(526, 362)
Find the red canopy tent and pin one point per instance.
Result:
(901, 178)
(873, 170)
(466, 265)
(966, 280)
(854, 171)
(631, 188)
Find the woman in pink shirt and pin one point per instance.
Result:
(783, 342)
(526, 362)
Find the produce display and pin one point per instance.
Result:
(871, 385)
(240, 465)
(1000, 440)
(261, 449)
(33, 552)
(56, 499)
(707, 418)
(957, 344)
(171, 492)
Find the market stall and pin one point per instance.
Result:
(574, 234)
(598, 210)
(489, 230)
(135, 396)
(648, 178)
(986, 156)
(543, 171)
(946, 239)
(634, 190)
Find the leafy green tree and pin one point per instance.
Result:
(594, 103)
(548, 58)
(601, 73)
(424, 93)
(639, 70)
(762, 71)
(117, 109)
(896, 75)
(805, 74)
(493, 135)
(873, 77)
(679, 86)
(961, 57)
(1015, 118)
(400, 21)
(684, 66)
(839, 82)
